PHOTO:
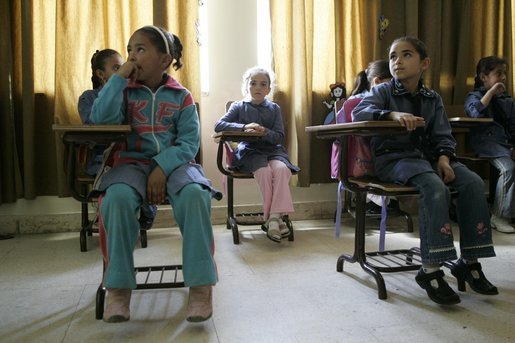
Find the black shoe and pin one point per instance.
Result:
(443, 295)
(372, 208)
(147, 216)
(463, 272)
(393, 205)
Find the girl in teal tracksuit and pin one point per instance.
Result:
(157, 161)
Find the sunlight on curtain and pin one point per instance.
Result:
(308, 43)
(44, 46)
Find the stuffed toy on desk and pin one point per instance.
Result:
(338, 92)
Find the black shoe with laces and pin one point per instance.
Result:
(443, 294)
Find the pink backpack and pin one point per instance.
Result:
(359, 155)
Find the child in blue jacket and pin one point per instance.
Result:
(425, 158)
(495, 141)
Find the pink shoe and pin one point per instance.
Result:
(200, 304)
(118, 305)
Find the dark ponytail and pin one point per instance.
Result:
(98, 61)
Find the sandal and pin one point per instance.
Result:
(443, 294)
(274, 234)
(284, 229)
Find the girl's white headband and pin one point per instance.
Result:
(163, 36)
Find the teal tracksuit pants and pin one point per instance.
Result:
(119, 210)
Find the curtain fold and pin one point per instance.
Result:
(10, 182)
(312, 50)
(47, 46)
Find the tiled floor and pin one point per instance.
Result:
(267, 292)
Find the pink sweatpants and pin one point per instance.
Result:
(273, 182)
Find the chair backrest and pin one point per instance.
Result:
(229, 147)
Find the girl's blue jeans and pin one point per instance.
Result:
(436, 236)
(504, 205)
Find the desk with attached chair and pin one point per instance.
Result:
(373, 262)
(77, 139)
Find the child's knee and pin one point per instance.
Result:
(195, 192)
(120, 195)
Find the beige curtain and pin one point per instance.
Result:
(318, 42)
(48, 45)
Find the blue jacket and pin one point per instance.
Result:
(397, 158)
(165, 124)
(86, 103)
(165, 132)
(496, 139)
(250, 156)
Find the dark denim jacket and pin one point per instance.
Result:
(400, 157)
(495, 139)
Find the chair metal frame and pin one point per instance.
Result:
(75, 138)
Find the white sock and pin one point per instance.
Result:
(429, 268)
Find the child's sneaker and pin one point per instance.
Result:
(501, 224)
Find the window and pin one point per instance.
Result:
(203, 42)
(264, 34)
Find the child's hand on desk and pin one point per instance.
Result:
(408, 120)
(445, 170)
(253, 127)
(156, 186)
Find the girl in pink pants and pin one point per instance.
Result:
(266, 158)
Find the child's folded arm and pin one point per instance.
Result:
(229, 122)
(473, 105)
(108, 107)
(372, 107)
